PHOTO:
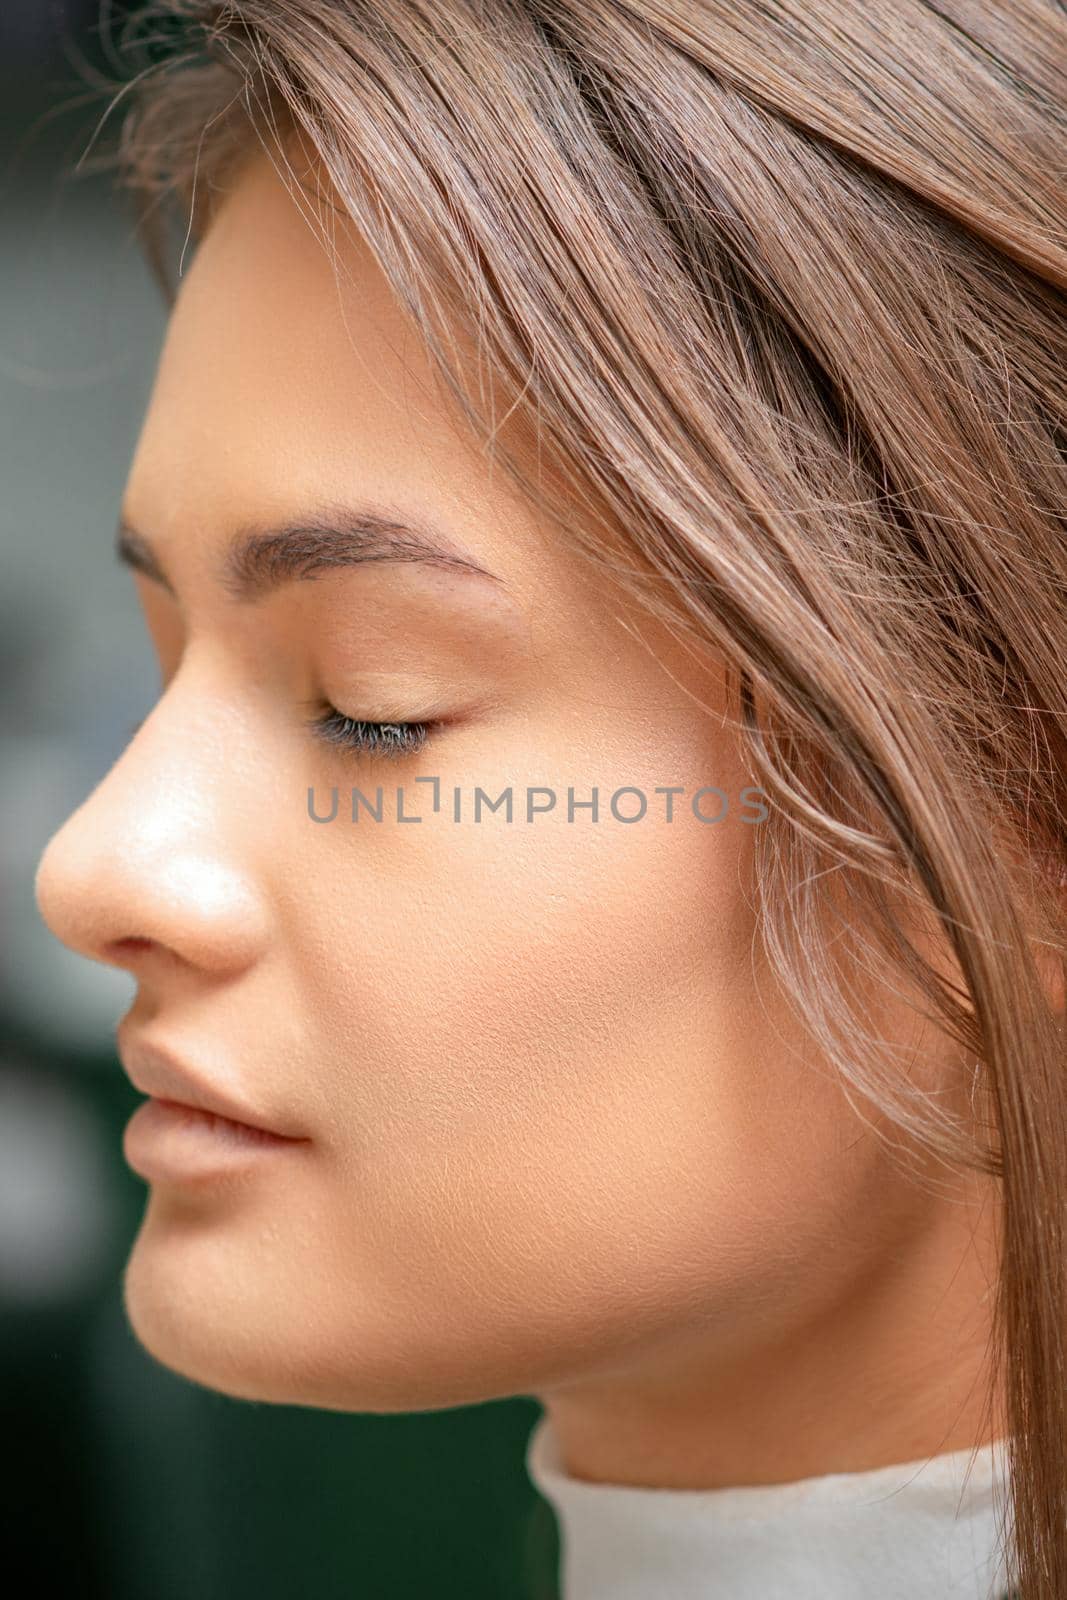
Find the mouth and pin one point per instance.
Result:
(168, 1142)
(188, 1130)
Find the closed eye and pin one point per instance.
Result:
(390, 739)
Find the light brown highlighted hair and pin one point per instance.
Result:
(782, 290)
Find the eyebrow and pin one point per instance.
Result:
(260, 560)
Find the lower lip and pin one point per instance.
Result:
(167, 1142)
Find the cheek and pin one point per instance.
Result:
(560, 1118)
(538, 954)
(553, 1082)
(507, 961)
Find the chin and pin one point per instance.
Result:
(191, 1316)
(219, 1309)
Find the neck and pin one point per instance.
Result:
(893, 1369)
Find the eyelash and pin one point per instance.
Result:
(390, 739)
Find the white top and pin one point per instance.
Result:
(914, 1531)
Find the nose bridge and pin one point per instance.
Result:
(159, 850)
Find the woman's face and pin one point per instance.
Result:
(548, 1115)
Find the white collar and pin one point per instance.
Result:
(915, 1529)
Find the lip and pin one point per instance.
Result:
(188, 1128)
(157, 1072)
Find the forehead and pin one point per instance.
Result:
(288, 382)
(288, 379)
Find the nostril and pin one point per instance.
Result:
(124, 949)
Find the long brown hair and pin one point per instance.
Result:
(781, 289)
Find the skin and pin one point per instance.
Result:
(564, 1136)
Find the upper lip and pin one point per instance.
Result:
(160, 1075)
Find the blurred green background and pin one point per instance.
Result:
(125, 1481)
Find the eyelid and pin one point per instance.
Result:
(367, 736)
(383, 709)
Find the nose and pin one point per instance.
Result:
(156, 864)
